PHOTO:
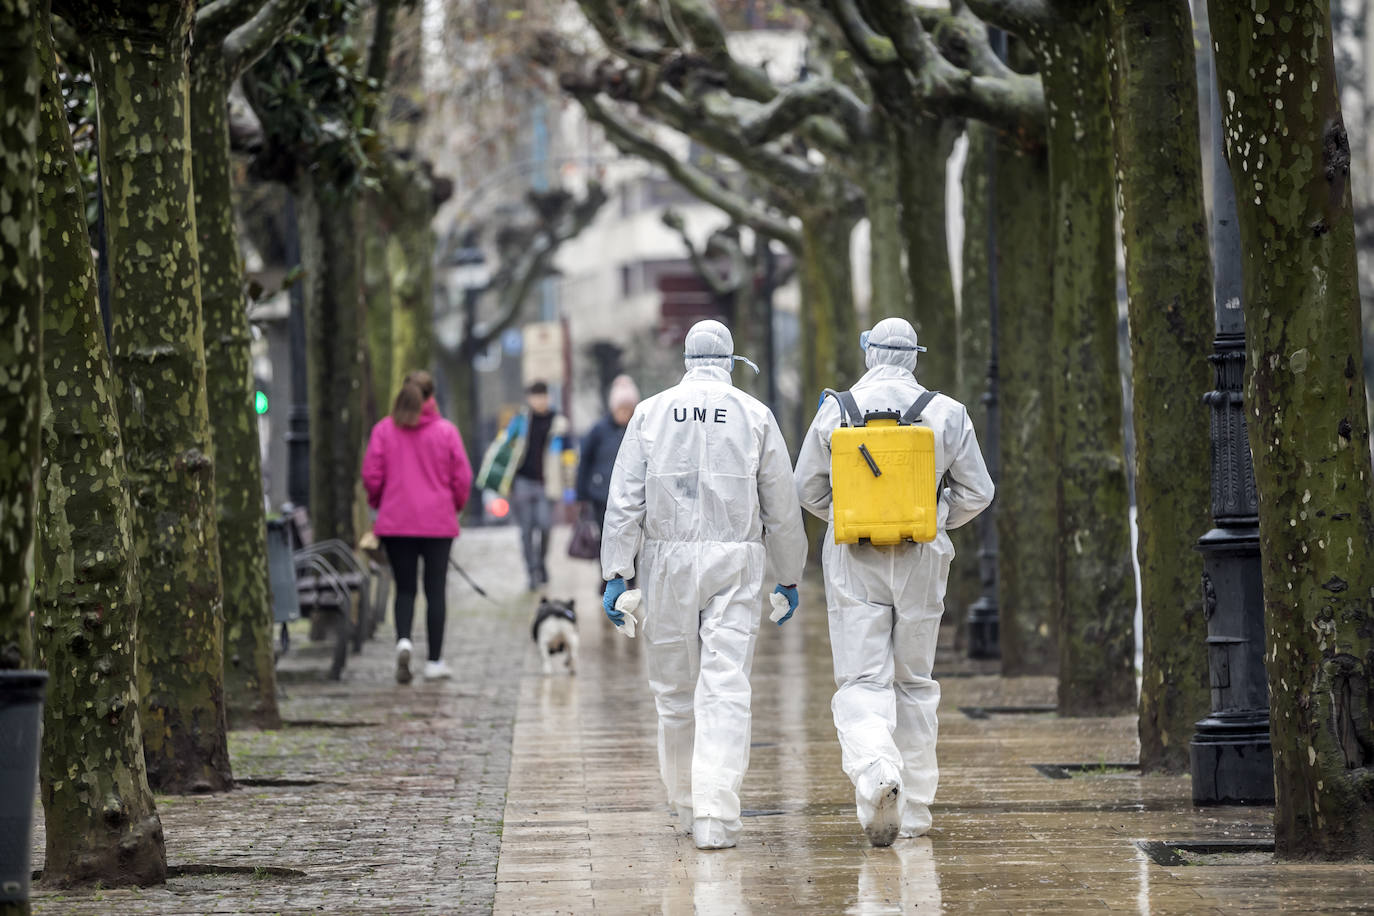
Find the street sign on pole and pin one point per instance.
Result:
(542, 357)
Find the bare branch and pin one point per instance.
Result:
(1023, 17)
(379, 55)
(531, 258)
(631, 141)
(707, 32)
(251, 40)
(725, 285)
(872, 48)
(215, 20)
(808, 99)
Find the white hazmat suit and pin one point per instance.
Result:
(702, 496)
(885, 603)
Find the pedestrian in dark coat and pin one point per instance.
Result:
(601, 444)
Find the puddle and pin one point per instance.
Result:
(326, 723)
(1070, 770)
(275, 782)
(985, 712)
(1208, 852)
(197, 870)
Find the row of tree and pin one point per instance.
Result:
(1091, 109)
(134, 545)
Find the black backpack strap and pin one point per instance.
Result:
(913, 413)
(849, 408)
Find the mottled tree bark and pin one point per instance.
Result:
(101, 822)
(1028, 568)
(971, 359)
(879, 162)
(381, 319)
(410, 261)
(249, 665)
(1289, 157)
(1169, 295)
(830, 336)
(139, 53)
(1096, 628)
(21, 308)
(926, 143)
(331, 234)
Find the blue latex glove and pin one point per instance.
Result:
(614, 589)
(793, 598)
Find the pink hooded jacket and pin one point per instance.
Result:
(418, 478)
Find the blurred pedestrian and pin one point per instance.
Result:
(601, 444)
(417, 476)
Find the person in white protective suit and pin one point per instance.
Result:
(702, 497)
(885, 603)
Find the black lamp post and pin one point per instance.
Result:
(1232, 762)
(298, 416)
(983, 618)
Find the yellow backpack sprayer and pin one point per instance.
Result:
(882, 474)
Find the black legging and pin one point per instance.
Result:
(404, 555)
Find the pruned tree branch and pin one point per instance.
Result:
(633, 142)
(527, 255)
(721, 284)
(1020, 16)
(802, 101)
(707, 34)
(978, 86)
(215, 20)
(379, 56)
(250, 41)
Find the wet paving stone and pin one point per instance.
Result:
(510, 792)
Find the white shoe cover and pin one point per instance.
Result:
(710, 833)
(878, 796)
(915, 820)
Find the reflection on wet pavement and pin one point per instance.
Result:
(587, 829)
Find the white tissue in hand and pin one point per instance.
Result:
(780, 607)
(627, 604)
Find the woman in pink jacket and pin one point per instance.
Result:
(417, 477)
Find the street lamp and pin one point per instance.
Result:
(983, 616)
(298, 416)
(1231, 758)
(467, 270)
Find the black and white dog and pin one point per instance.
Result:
(555, 630)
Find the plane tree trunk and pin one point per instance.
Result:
(1169, 301)
(1289, 157)
(21, 309)
(223, 46)
(139, 56)
(102, 826)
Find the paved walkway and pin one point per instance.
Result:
(510, 792)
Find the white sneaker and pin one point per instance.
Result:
(437, 671)
(403, 650)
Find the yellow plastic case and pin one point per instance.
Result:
(895, 505)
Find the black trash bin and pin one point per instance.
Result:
(21, 718)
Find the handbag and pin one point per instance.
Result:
(585, 543)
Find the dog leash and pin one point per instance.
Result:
(475, 587)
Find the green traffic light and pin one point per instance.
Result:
(260, 402)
